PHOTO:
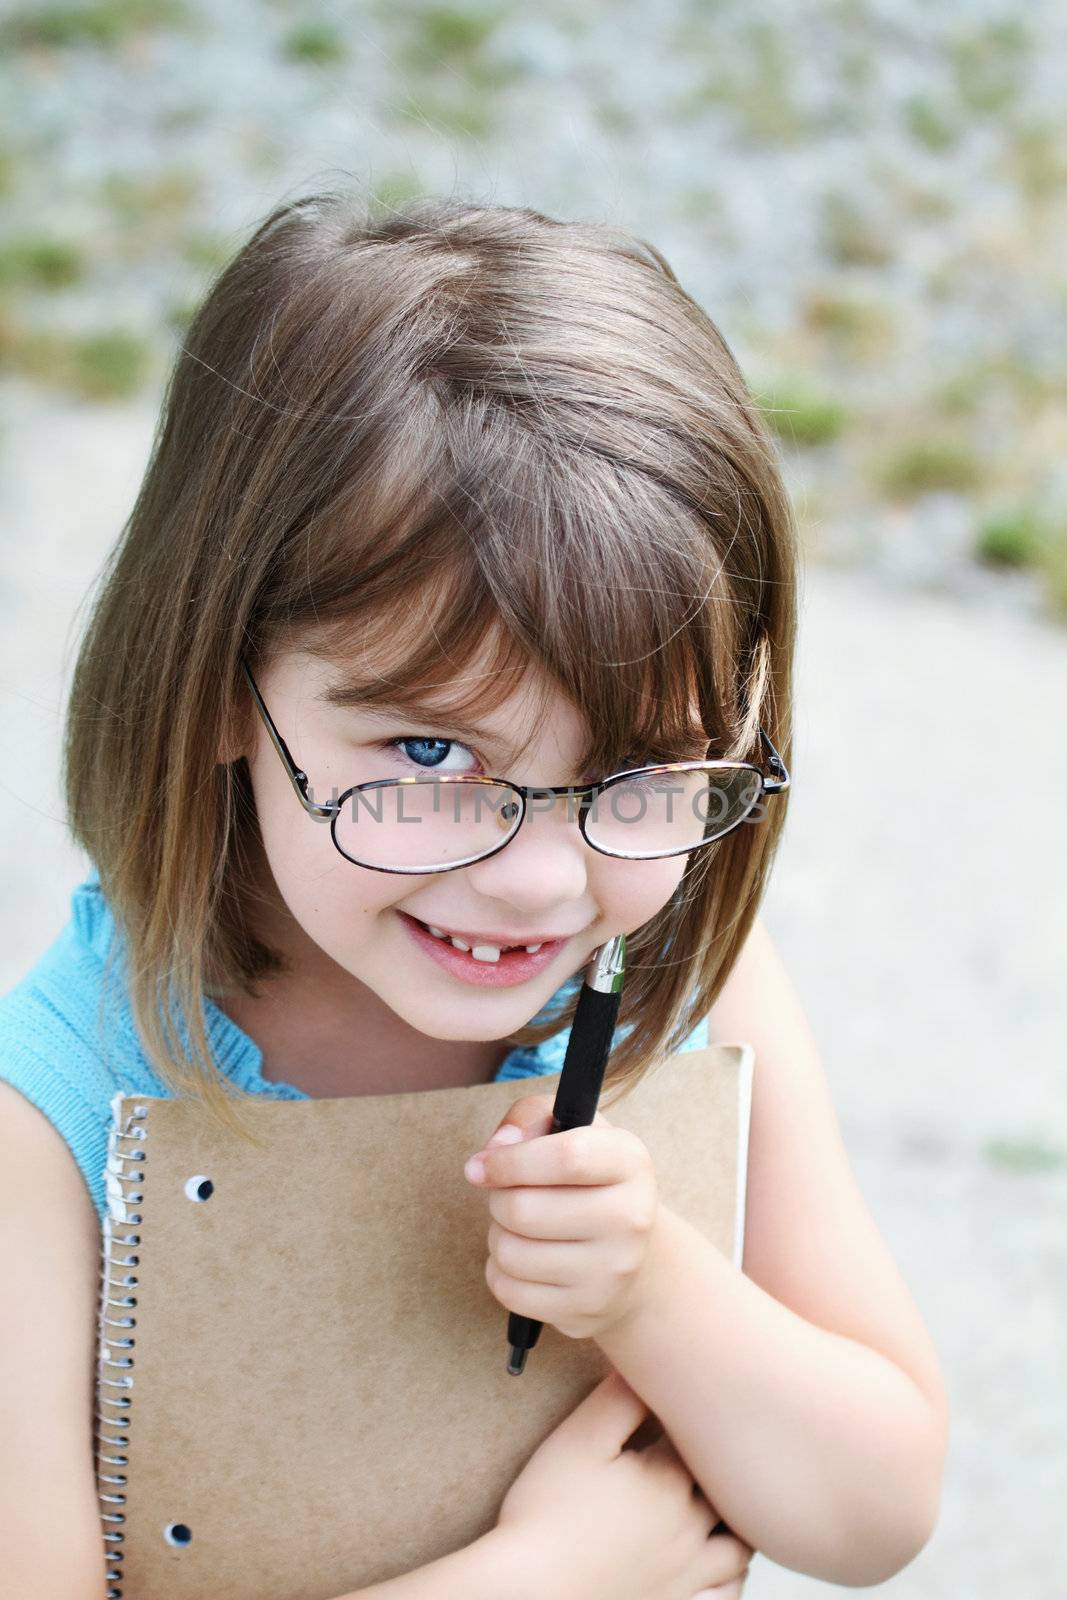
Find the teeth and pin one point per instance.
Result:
(480, 952)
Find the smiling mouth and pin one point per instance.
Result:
(480, 949)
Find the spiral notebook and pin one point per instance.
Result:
(301, 1376)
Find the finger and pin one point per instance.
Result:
(543, 1302)
(728, 1560)
(723, 1584)
(530, 1116)
(586, 1155)
(565, 1262)
(601, 1423)
(574, 1212)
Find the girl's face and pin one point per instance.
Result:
(342, 924)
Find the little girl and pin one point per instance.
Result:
(476, 498)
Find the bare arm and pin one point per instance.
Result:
(50, 1267)
(804, 1392)
(817, 1450)
(484, 1570)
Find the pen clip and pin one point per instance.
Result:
(608, 965)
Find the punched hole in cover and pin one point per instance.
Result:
(177, 1533)
(199, 1188)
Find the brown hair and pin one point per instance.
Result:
(522, 431)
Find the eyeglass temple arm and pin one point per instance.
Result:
(298, 779)
(776, 764)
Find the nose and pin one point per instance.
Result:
(545, 861)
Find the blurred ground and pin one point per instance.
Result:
(869, 197)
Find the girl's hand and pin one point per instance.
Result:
(573, 1234)
(587, 1520)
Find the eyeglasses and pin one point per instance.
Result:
(441, 823)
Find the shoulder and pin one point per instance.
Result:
(810, 1239)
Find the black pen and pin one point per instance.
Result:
(588, 1049)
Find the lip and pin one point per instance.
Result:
(514, 968)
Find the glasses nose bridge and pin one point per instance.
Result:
(546, 797)
(541, 801)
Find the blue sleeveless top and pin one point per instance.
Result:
(53, 1052)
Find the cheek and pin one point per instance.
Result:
(295, 843)
(337, 905)
(327, 895)
(638, 889)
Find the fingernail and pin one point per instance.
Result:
(475, 1169)
(508, 1134)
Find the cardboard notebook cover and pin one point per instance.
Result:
(302, 1384)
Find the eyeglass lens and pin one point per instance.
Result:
(434, 822)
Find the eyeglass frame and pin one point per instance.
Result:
(587, 793)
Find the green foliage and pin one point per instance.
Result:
(178, 314)
(450, 113)
(1012, 538)
(928, 124)
(447, 32)
(800, 413)
(137, 200)
(44, 263)
(151, 213)
(859, 328)
(959, 394)
(394, 190)
(453, 74)
(755, 88)
(451, 42)
(102, 23)
(928, 464)
(851, 238)
(1053, 563)
(703, 206)
(926, 204)
(1024, 537)
(316, 43)
(1023, 1155)
(203, 248)
(111, 364)
(1035, 158)
(990, 65)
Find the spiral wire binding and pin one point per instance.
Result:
(123, 1176)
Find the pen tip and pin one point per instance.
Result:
(516, 1360)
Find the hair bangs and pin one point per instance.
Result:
(558, 561)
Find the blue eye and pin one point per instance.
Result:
(425, 752)
(434, 750)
